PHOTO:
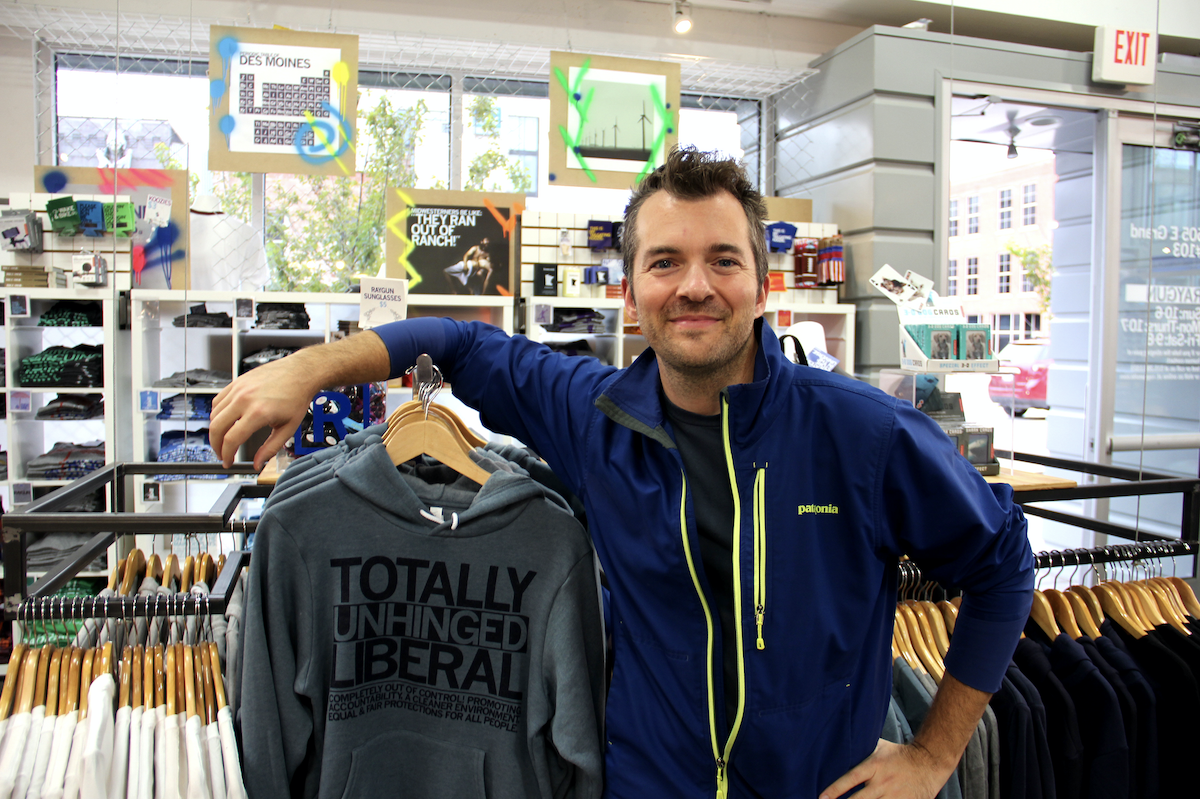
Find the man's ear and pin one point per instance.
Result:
(764, 291)
(627, 294)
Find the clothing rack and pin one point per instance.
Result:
(1115, 553)
(44, 515)
(42, 606)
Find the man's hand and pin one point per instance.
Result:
(274, 395)
(895, 772)
(277, 394)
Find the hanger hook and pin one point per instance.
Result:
(1042, 570)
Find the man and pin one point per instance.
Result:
(748, 513)
(473, 272)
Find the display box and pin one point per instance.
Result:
(975, 342)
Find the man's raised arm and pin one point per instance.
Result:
(277, 394)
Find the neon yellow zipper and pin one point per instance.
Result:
(722, 785)
(721, 755)
(760, 553)
(723, 762)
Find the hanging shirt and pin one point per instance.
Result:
(98, 745)
(510, 705)
(1062, 722)
(1178, 707)
(914, 701)
(1037, 712)
(1145, 770)
(1018, 777)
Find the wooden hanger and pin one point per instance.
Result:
(189, 573)
(949, 614)
(74, 678)
(45, 656)
(218, 681)
(1043, 615)
(1082, 615)
(115, 574)
(135, 569)
(1114, 608)
(1090, 602)
(125, 678)
(1173, 595)
(1063, 612)
(11, 679)
(1147, 607)
(172, 576)
(414, 407)
(85, 681)
(189, 681)
(159, 674)
(180, 676)
(210, 698)
(1187, 595)
(170, 674)
(927, 632)
(154, 568)
(932, 664)
(28, 688)
(1168, 600)
(900, 634)
(938, 624)
(52, 682)
(420, 435)
(221, 563)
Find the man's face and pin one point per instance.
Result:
(694, 291)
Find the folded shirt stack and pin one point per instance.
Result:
(78, 366)
(281, 316)
(186, 446)
(265, 355)
(196, 378)
(72, 406)
(198, 316)
(66, 461)
(185, 406)
(576, 320)
(73, 313)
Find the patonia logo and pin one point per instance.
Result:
(803, 509)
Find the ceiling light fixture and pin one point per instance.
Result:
(682, 16)
(1012, 150)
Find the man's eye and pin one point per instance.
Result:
(727, 263)
(661, 264)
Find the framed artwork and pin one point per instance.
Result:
(612, 120)
(159, 240)
(282, 101)
(454, 242)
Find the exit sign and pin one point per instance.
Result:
(1124, 56)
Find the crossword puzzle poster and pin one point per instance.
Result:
(282, 101)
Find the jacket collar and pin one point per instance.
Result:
(631, 397)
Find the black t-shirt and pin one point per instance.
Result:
(703, 451)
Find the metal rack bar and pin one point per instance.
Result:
(44, 515)
(1136, 484)
(124, 607)
(1114, 554)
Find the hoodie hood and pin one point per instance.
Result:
(434, 499)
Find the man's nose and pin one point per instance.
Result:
(695, 283)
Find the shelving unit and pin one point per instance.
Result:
(159, 349)
(25, 436)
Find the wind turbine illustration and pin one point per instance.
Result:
(642, 120)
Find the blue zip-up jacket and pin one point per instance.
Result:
(833, 480)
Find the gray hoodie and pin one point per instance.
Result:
(409, 632)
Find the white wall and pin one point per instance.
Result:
(17, 125)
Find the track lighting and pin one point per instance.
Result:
(682, 17)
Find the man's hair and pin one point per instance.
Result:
(690, 174)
